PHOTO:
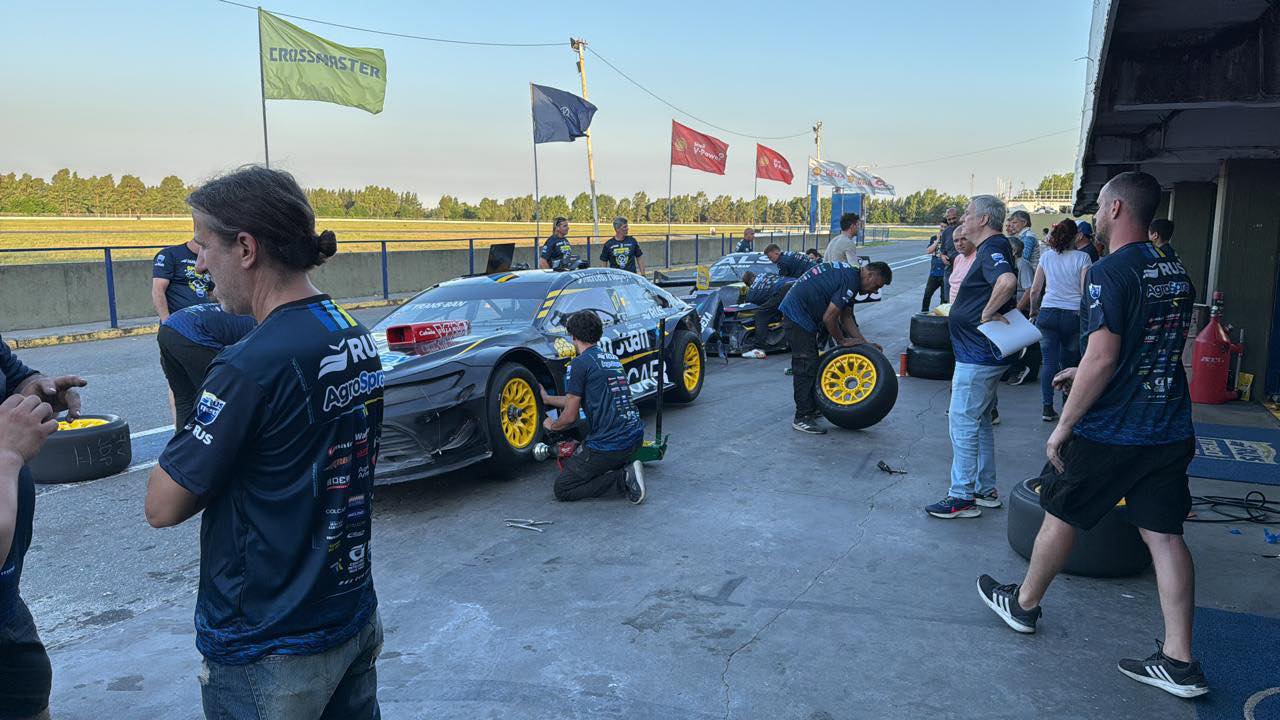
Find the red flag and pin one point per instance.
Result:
(770, 165)
(700, 152)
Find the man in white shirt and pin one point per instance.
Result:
(843, 248)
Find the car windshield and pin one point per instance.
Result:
(480, 304)
(731, 268)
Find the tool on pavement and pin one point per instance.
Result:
(884, 466)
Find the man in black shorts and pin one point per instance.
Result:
(1125, 432)
(189, 340)
(595, 382)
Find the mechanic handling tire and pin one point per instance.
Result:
(279, 452)
(595, 382)
(823, 298)
(26, 421)
(1124, 432)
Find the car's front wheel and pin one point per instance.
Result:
(686, 365)
(514, 411)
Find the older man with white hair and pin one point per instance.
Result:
(984, 295)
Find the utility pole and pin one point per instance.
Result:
(579, 45)
(817, 140)
(970, 184)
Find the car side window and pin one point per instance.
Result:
(637, 303)
(577, 297)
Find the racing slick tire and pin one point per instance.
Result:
(930, 364)
(857, 387)
(1113, 548)
(88, 448)
(513, 411)
(931, 331)
(686, 366)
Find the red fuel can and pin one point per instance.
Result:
(1211, 363)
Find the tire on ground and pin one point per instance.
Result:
(100, 448)
(1113, 548)
(931, 331)
(930, 364)
(686, 367)
(513, 412)
(856, 387)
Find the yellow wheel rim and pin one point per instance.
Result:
(519, 413)
(848, 379)
(692, 367)
(81, 423)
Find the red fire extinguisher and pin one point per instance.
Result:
(1212, 360)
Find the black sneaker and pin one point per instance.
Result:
(988, 500)
(1003, 601)
(808, 425)
(995, 416)
(635, 482)
(1048, 414)
(1186, 680)
(1020, 377)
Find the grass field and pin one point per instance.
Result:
(49, 234)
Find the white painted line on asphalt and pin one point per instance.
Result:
(139, 466)
(152, 431)
(909, 263)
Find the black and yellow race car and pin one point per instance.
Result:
(464, 360)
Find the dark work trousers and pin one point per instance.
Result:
(935, 283)
(766, 314)
(25, 672)
(185, 364)
(804, 368)
(946, 285)
(593, 474)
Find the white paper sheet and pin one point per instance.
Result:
(1011, 338)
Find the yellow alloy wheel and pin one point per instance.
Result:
(692, 367)
(519, 408)
(848, 379)
(80, 423)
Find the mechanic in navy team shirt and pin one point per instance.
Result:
(26, 419)
(766, 292)
(279, 453)
(937, 269)
(822, 299)
(622, 251)
(985, 294)
(790, 264)
(189, 340)
(557, 250)
(596, 382)
(748, 241)
(1125, 432)
(175, 282)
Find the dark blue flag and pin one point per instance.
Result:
(559, 116)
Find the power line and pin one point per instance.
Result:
(395, 34)
(686, 113)
(975, 152)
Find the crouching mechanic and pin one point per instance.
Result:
(765, 291)
(823, 299)
(189, 340)
(790, 264)
(596, 382)
(1125, 432)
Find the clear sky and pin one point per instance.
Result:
(158, 87)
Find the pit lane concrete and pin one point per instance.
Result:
(769, 574)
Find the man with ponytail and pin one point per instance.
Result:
(279, 452)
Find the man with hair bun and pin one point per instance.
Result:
(279, 452)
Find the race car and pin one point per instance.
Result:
(723, 309)
(463, 361)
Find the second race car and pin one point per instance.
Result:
(463, 361)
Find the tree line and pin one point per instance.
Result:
(68, 193)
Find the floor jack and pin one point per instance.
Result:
(651, 451)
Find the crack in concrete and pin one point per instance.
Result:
(862, 527)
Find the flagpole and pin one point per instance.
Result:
(262, 85)
(537, 201)
(671, 165)
(591, 164)
(755, 192)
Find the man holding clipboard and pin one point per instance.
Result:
(985, 295)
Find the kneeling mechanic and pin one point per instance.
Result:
(596, 383)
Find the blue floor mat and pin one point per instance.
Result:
(1236, 453)
(1240, 654)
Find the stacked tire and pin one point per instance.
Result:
(930, 355)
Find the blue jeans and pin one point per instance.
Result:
(341, 682)
(1059, 345)
(973, 443)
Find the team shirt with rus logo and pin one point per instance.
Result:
(282, 448)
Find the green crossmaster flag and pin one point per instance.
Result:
(297, 65)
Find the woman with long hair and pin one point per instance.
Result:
(1055, 306)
